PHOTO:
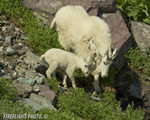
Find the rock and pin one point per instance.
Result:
(138, 90)
(6, 77)
(31, 59)
(45, 91)
(14, 75)
(121, 37)
(1, 43)
(41, 101)
(141, 33)
(22, 51)
(5, 28)
(10, 51)
(1, 49)
(31, 78)
(123, 80)
(18, 47)
(8, 40)
(23, 37)
(1, 38)
(105, 6)
(41, 67)
(1, 72)
(36, 107)
(29, 81)
(47, 8)
(3, 22)
(24, 90)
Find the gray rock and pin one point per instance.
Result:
(17, 29)
(1, 43)
(1, 49)
(41, 101)
(41, 67)
(8, 40)
(29, 81)
(5, 28)
(47, 8)
(31, 59)
(1, 37)
(39, 80)
(22, 51)
(10, 51)
(1, 72)
(35, 106)
(121, 37)
(14, 75)
(141, 33)
(24, 90)
(138, 90)
(6, 77)
(45, 91)
(4, 22)
(23, 37)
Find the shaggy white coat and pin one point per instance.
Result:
(64, 61)
(76, 29)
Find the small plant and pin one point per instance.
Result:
(137, 60)
(7, 91)
(41, 38)
(58, 115)
(138, 10)
(77, 102)
(111, 77)
(53, 84)
(8, 103)
(87, 81)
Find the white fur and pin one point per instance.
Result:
(77, 31)
(66, 62)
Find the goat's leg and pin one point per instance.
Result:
(96, 84)
(71, 77)
(51, 70)
(64, 80)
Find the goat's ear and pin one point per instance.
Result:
(114, 54)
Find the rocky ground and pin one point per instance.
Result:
(18, 62)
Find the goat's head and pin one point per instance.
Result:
(104, 61)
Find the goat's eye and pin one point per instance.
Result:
(105, 63)
(85, 65)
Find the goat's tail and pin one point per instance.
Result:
(53, 23)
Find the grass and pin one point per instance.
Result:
(41, 37)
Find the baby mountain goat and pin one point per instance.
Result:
(66, 62)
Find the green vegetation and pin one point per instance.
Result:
(138, 61)
(41, 38)
(83, 81)
(76, 105)
(53, 84)
(138, 10)
(8, 105)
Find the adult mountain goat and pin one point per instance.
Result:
(77, 30)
